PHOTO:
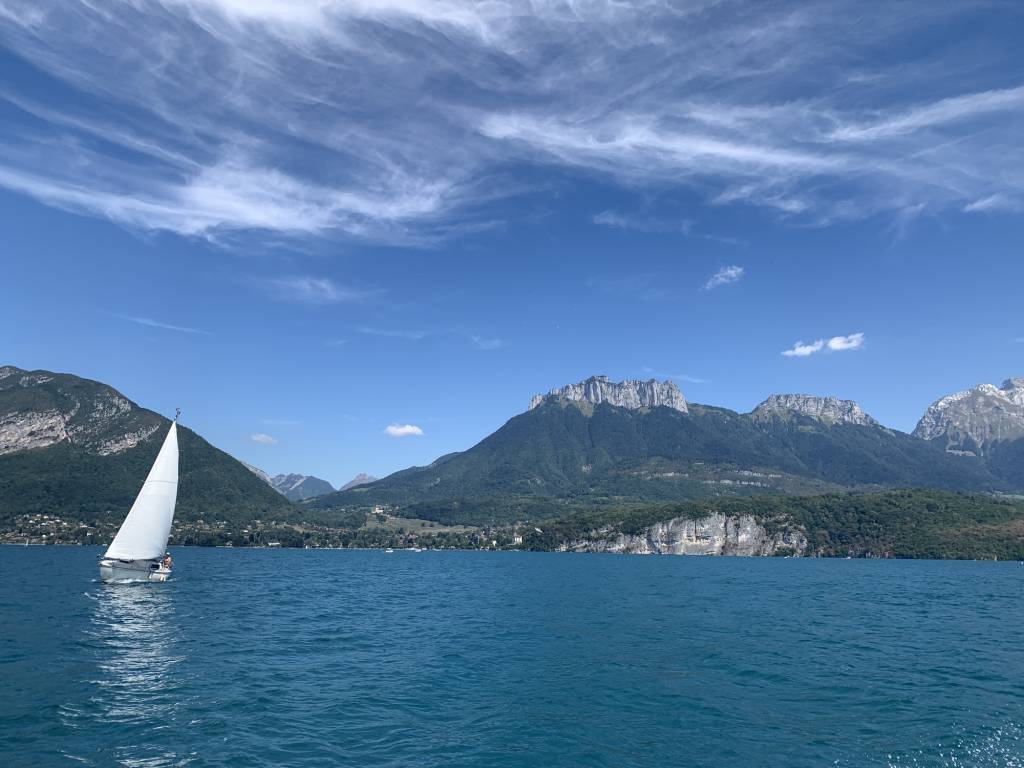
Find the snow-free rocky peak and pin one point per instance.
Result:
(829, 410)
(625, 394)
(361, 479)
(971, 420)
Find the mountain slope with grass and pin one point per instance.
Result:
(79, 449)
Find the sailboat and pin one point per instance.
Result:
(137, 550)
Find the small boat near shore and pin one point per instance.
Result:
(137, 552)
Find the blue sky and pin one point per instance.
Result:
(305, 223)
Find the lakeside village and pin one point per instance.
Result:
(380, 530)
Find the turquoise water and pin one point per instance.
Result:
(322, 658)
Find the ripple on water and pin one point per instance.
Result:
(311, 658)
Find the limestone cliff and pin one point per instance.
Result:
(829, 410)
(715, 534)
(630, 394)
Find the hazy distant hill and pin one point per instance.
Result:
(75, 447)
(565, 453)
(293, 487)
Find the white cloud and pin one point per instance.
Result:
(800, 349)
(841, 343)
(724, 276)
(166, 326)
(225, 117)
(834, 344)
(262, 438)
(403, 430)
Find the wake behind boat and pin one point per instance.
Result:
(137, 551)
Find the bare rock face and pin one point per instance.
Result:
(39, 409)
(361, 479)
(971, 421)
(829, 410)
(630, 394)
(715, 534)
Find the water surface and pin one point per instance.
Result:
(322, 658)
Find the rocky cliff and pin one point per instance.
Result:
(973, 420)
(715, 534)
(828, 410)
(361, 479)
(39, 409)
(80, 449)
(630, 394)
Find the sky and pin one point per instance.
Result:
(354, 236)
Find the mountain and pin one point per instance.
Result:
(78, 448)
(293, 487)
(573, 449)
(625, 394)
(360, 479)
(973, 420)
(828, 410)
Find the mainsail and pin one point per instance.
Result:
(144, 533)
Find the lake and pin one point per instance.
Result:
(324, 658)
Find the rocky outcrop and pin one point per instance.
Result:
(828, 410)
(360, 479)
(716, 534)
(630, 394)
(39, 409)
(971, 421)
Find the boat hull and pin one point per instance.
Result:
(132, 570)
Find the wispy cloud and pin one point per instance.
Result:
(642, 287)
(292, 118)
(261, 438)
(304, 289)
(157, 324)
(394, 333)
(996, 202)
(724, 276)
(641, 223)
(834, 344)
(403, 430)
(484, 343)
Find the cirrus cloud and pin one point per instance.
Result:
(724, 276)
(262, 438)
(292, 118)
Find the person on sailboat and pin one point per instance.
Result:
(166, 562)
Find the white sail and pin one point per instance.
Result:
(144, 533)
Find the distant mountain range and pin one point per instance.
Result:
(75, 447)
(599, 442)
(294, 487)
(78, 447)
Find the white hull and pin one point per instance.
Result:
(132, 570)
